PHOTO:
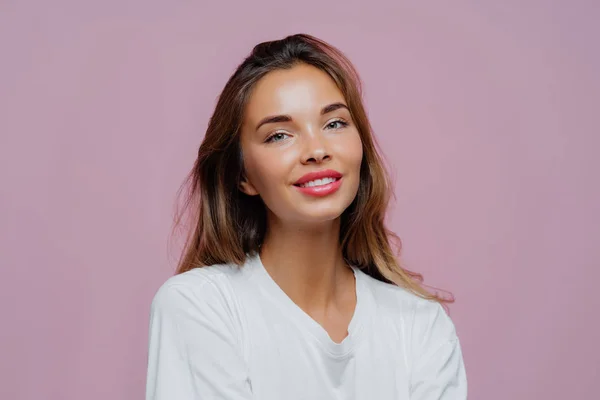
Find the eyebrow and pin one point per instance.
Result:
(286, 118)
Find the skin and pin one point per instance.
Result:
(301, 250)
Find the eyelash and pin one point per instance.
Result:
(340, 121)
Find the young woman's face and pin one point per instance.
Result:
(302, 151)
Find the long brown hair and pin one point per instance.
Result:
(227, 224)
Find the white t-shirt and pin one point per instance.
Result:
(231, 333)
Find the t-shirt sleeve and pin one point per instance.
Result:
(438, 371)
(194, 353)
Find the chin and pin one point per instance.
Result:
(316, 210)
(320, 218)
(321, 213)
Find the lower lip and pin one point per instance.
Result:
(321, 190)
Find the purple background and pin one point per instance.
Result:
(487, 111)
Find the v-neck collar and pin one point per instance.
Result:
(304, 320)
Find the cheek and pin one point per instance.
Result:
(358, 152)
(353, 156)
(352, 151)
(266, 171)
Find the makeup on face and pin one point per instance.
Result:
(319, 183)
(302, 150)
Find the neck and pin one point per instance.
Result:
(307, 263)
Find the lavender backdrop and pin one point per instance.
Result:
(487, 111)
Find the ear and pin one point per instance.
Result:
(247, 187)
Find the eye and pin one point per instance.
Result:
(276, 137)
(337, 124)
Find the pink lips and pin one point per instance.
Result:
(320, 190)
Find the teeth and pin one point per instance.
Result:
(318, 182)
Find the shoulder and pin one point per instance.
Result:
(198, 290)
(426, 319)
(195, 315)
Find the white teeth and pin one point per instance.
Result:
(318, 182)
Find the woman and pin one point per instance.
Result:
(299, 294)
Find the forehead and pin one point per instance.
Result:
(299, 90)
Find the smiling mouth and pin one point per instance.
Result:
(320, 187)
(318, 182)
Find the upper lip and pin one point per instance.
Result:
(311, 176)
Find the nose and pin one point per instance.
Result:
(316, 150)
